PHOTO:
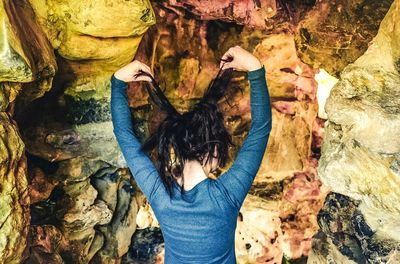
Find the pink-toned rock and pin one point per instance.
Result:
(303, 197)
(45, 244)
(249, 12)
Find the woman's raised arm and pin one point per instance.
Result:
(238, 179)
(140, 165)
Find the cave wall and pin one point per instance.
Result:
(360, 156)
(76, 202)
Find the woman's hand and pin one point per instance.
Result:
(240, 60)
(130, 72)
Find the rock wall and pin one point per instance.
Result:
(64, 182)
(360, 156)
(27, 66)
(14, 206)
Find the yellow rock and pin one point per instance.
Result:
(94, 38)
(26, 54)
(14, 197)
(94, 29)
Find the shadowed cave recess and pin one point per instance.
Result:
(328, 189)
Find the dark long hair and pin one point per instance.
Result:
(193, 135)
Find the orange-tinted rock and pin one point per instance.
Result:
(289, 146)
(40, 187)
(335, 33)
(302, 199)
(287, 75)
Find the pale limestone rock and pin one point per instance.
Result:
(85, 212)
(325, 85)
(82, 213)
(360, 173)
(361, 150)
(258, 236)
(146, 217)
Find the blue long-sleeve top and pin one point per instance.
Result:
(198, 225)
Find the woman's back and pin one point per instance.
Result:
(198, 225)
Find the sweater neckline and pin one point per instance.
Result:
(197, 186)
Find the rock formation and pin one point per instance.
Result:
(65, 185)
(14, 206)
(360, 156)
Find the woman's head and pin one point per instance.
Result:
(198, 135)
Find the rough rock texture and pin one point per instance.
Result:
(93, 38)
(70, 142)
(147, 247)
(335, 33)
(14, 198)
(27, 66)
(361, 150)
(46, 241)
(86, 209)
(27, 56)
(290, 144)
(249, 12)
(258, 233)
(346, 237)
(118, 232)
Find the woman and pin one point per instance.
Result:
(197, 215)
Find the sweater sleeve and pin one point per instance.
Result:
(142, 168)
(238, 179)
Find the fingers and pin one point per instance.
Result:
(227, 65)
(226, 56)
(228, 59)
(139, 67)
(147, 69)
(142, 78)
